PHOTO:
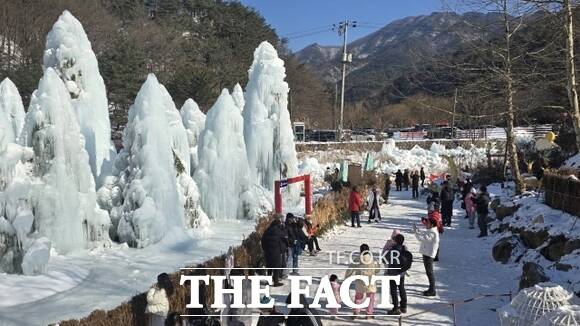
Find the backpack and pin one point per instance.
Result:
(406, 259)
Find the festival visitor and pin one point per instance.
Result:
(429, 243)
(446, 197)
(373, 205)
(482, 206)
(158, 300)
(399, 180)
(355, 203)
(415, 184)
(366, 266)
(274, 244)
(398, 266)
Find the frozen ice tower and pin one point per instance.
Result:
(194, 122)
(65, 209)
(11, 111)
(69, 52)
(223, 173)
(145, 200)
(267, 127)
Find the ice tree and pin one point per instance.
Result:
(69, 52)
(11, 111)
(194, 122)
(223, 173)
(238, 96)
(64, 204)
(144, 199)
(267, 127)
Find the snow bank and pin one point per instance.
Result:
(223, 174)
(149, 207)
(69, 53)
(267, 128)
(238, 96)
(65, 202)
(194, 122)
(11, 112)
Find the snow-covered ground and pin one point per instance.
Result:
(466, 268)
(78, 283)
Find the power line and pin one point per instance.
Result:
(308, 34)
(325, 27)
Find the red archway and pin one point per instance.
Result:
(279, 184)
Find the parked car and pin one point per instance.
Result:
(362, 136)
(322, 135)
(440, 133)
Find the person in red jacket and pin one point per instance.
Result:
(355, 202)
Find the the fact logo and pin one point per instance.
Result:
(298, 285)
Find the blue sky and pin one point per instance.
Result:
(289, 17)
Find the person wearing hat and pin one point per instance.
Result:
(429, 244)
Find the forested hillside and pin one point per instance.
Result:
(195, 47)
(409, 71)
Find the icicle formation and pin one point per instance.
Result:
(223, 172)
(532, 303)
(69, 52)
(177, 134)
(238, 96)
(150, 205)
(195, 217)
(11, 112)
(194, 122)
(15, 206)
(65, 204)
(267, 128)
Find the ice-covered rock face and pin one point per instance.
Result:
(11, 112)
(194, 122)
(150, 205)
(223, 174)
(69, 52)
(238, 96)
(65, 209)
(267, 127)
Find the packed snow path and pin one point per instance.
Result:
(465, 270)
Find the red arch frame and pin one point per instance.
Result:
(279, 184)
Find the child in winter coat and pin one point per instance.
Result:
(429, 244)
(312, 237)
(470, 207)
(158, 300)
(366, 266)
(336, 290)
(391, 242)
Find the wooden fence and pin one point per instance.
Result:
(562, 192)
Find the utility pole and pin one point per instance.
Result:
(342, 29)
(453, 117)
(334, 107)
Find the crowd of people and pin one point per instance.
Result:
(284, 241)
